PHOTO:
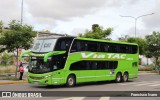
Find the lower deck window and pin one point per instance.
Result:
(94, 65)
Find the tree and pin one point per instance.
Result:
(97, 32)
(18, 36)
(147, 52)
(153, 48)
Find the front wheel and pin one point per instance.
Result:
(71, 81)
(118, 78)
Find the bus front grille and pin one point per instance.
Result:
(35, 78)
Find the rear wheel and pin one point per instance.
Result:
(118, 78)
(125, 77)
(71, 81)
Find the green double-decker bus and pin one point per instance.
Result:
(73, 60)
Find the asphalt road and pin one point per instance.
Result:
(142, 83)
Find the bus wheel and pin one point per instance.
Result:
(125, 77)
(118, 78)
(71, 81)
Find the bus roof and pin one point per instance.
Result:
(55, 37)
(101, 40)
(89, 39)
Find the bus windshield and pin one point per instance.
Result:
(38, 66)
(44, 45)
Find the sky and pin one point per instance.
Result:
(76, 16)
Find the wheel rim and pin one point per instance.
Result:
(118, 78)
(70, 81)
(125, 77)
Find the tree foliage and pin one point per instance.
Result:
(1, 26)
(153, 47)
(7, 58)
(18, 36)
(97, 32)
(153, 41)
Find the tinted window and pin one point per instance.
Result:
(127, 49)
(91, 46)
(103, 47)
(122, 49)
(81, 45)
(63, 44)
(78, 46)
(94, 65)
(112, 48)
(134, 49)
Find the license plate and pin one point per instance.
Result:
(36, 83)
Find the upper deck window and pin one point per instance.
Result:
(63, 44)
(93, 46)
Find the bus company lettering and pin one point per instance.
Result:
(109, 55)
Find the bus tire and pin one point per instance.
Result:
(71, 81)
(118, 78)
(125, 77)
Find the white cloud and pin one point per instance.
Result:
(63, 9)
(9, 9)
(75, 16)
(154, 20)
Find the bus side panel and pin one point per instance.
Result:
(105, 75)
(129, 66)
(81, 75)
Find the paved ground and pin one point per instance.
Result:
(145, 82)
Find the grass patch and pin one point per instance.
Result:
(8, 69)
(12, 78)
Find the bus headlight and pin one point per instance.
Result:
(47, 76)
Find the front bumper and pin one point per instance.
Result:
(46, 81)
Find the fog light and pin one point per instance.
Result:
(47, 76)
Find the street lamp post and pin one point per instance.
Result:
(136, 18)
(18, 49)
(22, 13)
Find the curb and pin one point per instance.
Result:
(13, 82)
